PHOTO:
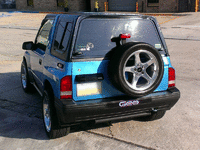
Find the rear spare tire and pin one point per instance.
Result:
(136, 69)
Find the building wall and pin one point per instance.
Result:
(22, 4)
(45, 5)
(80, 5)
(141, 6)
(50, 5)
(152, 9)
(164, 6)
(76, 5)
(168, 6)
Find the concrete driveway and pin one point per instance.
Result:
(21, 125)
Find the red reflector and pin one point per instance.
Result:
(66, 97)
(124, 36)
(171, 79)
(66, 87)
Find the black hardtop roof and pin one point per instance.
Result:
(98, 15)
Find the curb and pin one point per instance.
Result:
(154, 14)
(165, 14)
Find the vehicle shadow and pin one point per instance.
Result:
(21, 113)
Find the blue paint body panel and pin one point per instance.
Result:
(108, 90)
(164, 83)
(93, 67)
(55, 74)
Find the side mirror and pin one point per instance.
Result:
(28, 45)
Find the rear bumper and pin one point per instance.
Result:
(71, 112)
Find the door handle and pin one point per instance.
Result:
(40, 61)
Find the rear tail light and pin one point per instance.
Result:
(66, 88)
(124, 36)
(171, 81)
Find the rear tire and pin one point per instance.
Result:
(154, 116)
(50, 117)
(136, 69)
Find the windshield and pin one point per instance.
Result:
(94, 35)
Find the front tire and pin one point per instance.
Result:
(25, 81)
(50, 118)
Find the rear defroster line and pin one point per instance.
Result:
(119, 140)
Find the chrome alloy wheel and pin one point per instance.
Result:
(46, 113)
(24, 77)
(140, 70)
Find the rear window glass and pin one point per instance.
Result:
(94, 35)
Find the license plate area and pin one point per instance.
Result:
(90, 88)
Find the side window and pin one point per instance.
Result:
(43, 35)
(62, 39)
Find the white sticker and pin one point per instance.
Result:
(158, 46)
(165, 60)
(87, 47)
(90, 45)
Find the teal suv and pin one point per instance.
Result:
(98, 67)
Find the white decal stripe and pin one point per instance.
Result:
(66, 93)
(171, 82)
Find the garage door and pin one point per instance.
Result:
(122, 5)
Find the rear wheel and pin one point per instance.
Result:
(50, 118)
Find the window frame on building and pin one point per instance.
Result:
(60, 3)
(30, 3)
(153, 3)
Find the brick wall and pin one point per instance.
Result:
(51, 5)
(21, 4)
(164, 6)
(76, 5)
(143, 7)
(168, 6)
(45, 5)
(80, 5)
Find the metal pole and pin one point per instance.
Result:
(106, 6)
(196, 6)
(136, 6)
